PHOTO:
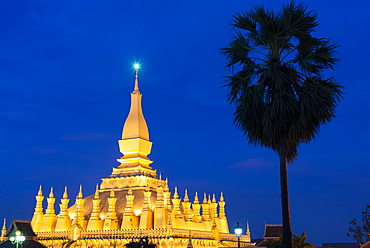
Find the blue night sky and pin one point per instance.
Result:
(66, 76)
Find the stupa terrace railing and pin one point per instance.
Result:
(231, 237)
(53, 235)
(124, 234)
(141, 233)
(197, 234)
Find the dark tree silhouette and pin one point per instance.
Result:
(360, 231)
(299, 241)
(142, 243)
(280, 92)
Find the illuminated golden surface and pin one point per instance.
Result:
(132, 203)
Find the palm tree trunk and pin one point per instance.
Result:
(287, 227)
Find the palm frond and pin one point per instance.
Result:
(280, 95)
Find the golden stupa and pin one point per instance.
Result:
(133, 203)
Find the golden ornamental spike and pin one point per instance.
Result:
(205, 198)
(196, 200)
(51, 195)
(175, 195)
(186, 197)
(222, 197)
(96, 195)
(65, 194)
(40, 191)
(79, 196)
(136, 86)
(3, 230)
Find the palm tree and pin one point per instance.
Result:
(300, 241)
(280, 92)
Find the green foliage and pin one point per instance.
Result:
(298, 242)
(279, 90)
(360, 231)
(275, 243)
(142, 243)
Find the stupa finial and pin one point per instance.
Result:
(175, 195)
(80, 192)
(136, 86)
(96, 195)
(214, 198)
(40, 191)
(3, 230)
(205, 198)
(65, 194)
(222, 197)
(186, 197)
(196, 199)
(51, 195)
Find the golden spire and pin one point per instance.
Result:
(95, 223)
(63, 215)
(196, 200)
(196, 209)
(96, 195)
(175, 195)
(79, 196)
(176, 204)
(136, 86)
(186, 197)
(79, 213)
(51, 195)
(65, 194)
(205, 198)
(51, 200)
(3, 230)
(222, 203)
(166, 185)
(135, 125)
(39, 193)
(205, 207)
(186, 206)
(38, 214)
(110, 221)
(135, 145)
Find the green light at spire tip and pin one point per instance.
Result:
(136, 66)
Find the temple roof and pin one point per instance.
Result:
(26, 230)
(273, 231)
(23, 226)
